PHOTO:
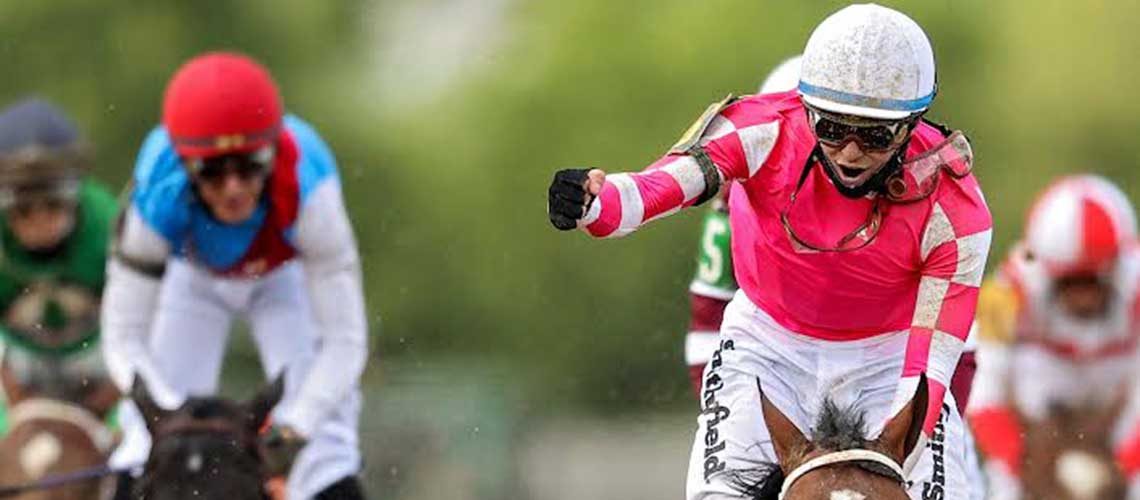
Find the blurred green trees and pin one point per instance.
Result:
(446, 171)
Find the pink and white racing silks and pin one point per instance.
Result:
(921, 272)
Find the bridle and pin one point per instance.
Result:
(58, 411)
(892, 468)
(189, 425)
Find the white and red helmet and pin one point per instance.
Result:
(1080, 224)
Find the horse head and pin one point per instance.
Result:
(839, 461)
(206, 448)
(56, 429)
(1069, 455)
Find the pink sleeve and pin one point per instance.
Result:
(955, 244)
(738, 141)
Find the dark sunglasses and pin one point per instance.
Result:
(871, 135)
(246, 166)
(27, 199)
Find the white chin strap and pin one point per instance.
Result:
(840, 457)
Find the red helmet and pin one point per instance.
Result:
(219, 103)
(1080, 224)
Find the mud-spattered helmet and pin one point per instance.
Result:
(870, 61)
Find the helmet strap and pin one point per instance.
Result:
(878, 182)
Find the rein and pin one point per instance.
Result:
(59, 480)
(840, 457)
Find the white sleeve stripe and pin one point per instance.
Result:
(592, 213)
(687, 173)
(758, 142)
(931, 293)
(700, 346)
(943, 359)
(719, 127)
(632, 207)
(938, 231)
(972, 253)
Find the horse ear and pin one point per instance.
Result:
(152, 413)
(786, 437)
(901, 434)
(265, 400)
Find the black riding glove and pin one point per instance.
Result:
(568, 199)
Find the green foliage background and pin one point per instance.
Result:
(447, 186)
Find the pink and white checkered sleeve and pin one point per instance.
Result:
(738, 141)
(955, 245)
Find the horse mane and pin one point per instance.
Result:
(836, 429)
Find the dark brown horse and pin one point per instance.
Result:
(1069, 454)
(839, 461)
(207, 448)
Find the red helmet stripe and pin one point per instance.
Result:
(1098, 233)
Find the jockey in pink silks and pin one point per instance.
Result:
(859, 242)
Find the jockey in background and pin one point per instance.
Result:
(1059, 323)
(236, 211)
(55, 230)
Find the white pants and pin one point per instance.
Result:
(188, 344)
(797, 373)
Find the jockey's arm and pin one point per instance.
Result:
(727, 143)
(130, 299)
(1128, 448)
(955, 244)
(992, 413)
(329, 255)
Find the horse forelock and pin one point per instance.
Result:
(206, 408)
(217, 464)
(839, 429)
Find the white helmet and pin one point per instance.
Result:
(785, 77)
(1080, 224)
(871, 61)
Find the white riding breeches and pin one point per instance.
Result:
(797, 372)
